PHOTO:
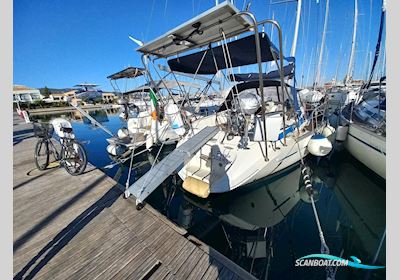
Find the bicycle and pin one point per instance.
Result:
(72, 155)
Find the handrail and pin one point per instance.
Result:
(260, 76)
(259, 62)
(315, 113)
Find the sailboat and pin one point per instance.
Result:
(143, 126)
(340, 96)
(312, 97)
(261, 129)
(364, 120)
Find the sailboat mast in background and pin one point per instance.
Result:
(296, 29)
(350, 68)
(321, 52)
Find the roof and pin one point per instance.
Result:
(209, 61)
(57, 93)
(129, 72)
(199, 31)
(86, 85)
(22, 87)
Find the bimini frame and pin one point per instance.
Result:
(185, 43)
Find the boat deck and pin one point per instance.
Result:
(81, 227)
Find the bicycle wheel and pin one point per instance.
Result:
(74, 158)
(42, 154)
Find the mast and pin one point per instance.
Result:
(296, 29)
(378, 44)
(353, 45)
(321, 53)
(339, 62)
(309, 65)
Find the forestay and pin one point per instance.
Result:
(199, 31)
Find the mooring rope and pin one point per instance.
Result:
(330, 273)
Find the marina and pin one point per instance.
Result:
(348, 221)
(209, 159)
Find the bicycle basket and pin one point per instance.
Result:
(43, 130)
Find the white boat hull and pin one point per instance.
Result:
(222, 166)
(368, 147)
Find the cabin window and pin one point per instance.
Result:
(270, 93)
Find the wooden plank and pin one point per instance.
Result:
(171, 254)
(133, 264)
(74, 252)
(84, 258)
(118, 241)
(201, 267)
(213, 270)
(131, 251)
(161, 217)
(30, 249)
(214, 254)
(52, 223)
(107, 259)
(187, 267)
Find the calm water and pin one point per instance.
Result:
(265, 227)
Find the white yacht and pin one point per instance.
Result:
(261, 127)
(366, 137)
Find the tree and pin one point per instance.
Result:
(46, 92)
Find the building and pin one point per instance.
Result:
(108, 97)
(64, 97)
(56, 97)
(24, 94)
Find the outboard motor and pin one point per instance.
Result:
(175, 119)
(125, 112)
(249, 103)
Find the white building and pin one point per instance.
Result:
(24, 94)
(108, 97)
(64, 96)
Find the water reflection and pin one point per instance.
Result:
(265, 227)
(257, 206)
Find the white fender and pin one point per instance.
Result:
(329, 132)
(341, 133)
(175, 119)
(319, 145)
(115, 150)
(149, 141)
(123, 132)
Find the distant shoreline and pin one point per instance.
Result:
(70, 109)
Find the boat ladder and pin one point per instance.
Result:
(149, 182)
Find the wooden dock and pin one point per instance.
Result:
(81, 227)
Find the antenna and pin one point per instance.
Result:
(140, 43)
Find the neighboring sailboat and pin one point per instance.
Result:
(366, 119)
(366, 138)
(143, 125)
